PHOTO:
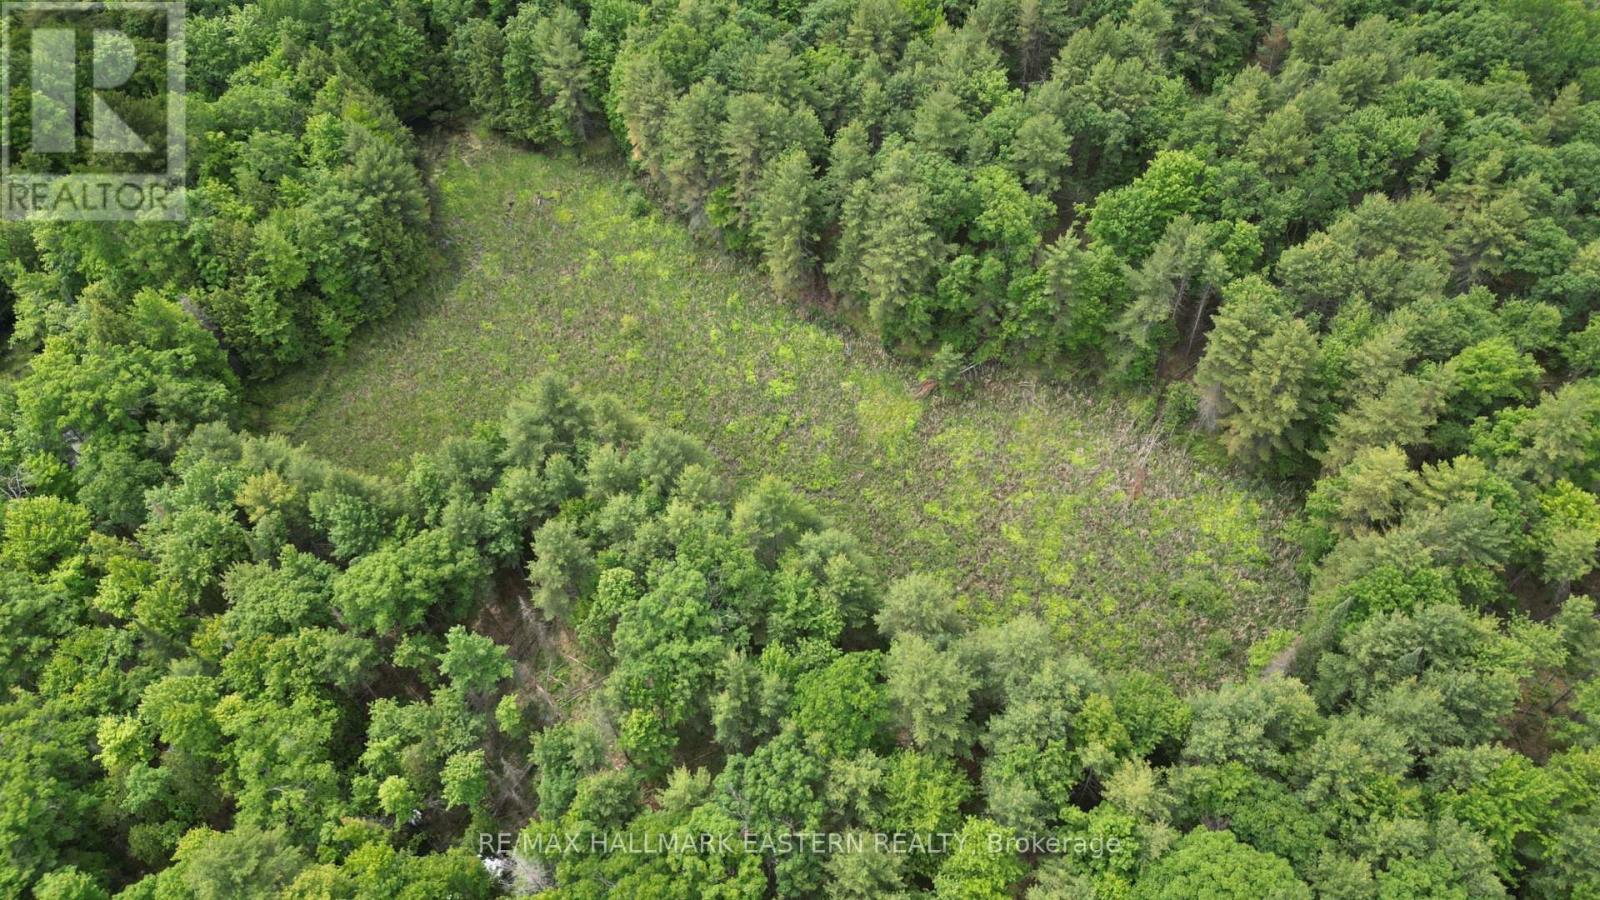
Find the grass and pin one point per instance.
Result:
(1026, 494)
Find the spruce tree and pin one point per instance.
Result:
(1258, 370)
(785, 221)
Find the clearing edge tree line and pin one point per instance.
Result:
(1358, 241)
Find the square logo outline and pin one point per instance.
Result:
(176, 109)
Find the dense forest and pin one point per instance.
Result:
(1356, 245)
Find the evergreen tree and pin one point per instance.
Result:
(563, 73)
(784, 221)
(1259, 371)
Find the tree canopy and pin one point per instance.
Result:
(1357, 243)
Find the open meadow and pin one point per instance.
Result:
(1026, 494)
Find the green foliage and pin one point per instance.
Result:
(233, 670)
(1261, 724)
(1258, 372)
(652, 316)
(1567, 532)
(562, 569)
(395, 586)
(785, 221)
(1130, 220)
(920, 605)
(771, 519)
(717, 632)
(42, 533)
(977, 869)
(1209, 863)
(472, 662)
(69, 884)
(244, 862)
(841, 709)
(1501, 795)
(931, 693)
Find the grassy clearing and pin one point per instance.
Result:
(1026, 494)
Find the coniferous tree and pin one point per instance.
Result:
(564, 73)
(784, 221)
